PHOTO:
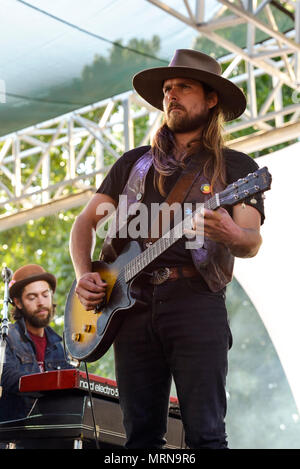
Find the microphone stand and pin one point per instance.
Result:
(6, 276)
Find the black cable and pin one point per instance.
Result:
(92, 406)
(97, 36)
(283, 9)
(49, 101)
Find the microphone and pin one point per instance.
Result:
(7, 274)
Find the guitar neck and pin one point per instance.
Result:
(145, 258)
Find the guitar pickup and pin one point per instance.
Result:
(77, 337)
(89, 328)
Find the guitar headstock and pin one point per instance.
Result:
(254, 183)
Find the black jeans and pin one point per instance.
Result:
(182, 332)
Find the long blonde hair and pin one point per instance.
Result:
(210, 143)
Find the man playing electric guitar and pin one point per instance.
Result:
(182, 329)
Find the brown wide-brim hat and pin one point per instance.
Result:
(28, 274)
(188, 63)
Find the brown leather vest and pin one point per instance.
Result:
(213, 260)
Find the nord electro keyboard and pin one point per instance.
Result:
(68, 379)
(61, 416)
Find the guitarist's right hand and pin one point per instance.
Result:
(91, 290)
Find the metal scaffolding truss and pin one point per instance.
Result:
(56, 165)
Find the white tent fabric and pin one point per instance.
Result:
(271, 279)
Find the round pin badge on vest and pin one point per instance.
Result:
(205, 188)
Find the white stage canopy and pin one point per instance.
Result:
(271, 279)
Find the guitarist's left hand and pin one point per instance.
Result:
(90, 290)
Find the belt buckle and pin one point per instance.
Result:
(160, 276)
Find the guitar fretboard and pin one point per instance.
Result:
(145, 258)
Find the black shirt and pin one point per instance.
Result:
(238, 165)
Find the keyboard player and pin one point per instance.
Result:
(32, 346)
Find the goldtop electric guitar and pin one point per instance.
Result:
(89, 334)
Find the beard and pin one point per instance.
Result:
(181, 122)
(35, 320)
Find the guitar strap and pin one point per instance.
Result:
(177, 194)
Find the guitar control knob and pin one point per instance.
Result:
(77, 337)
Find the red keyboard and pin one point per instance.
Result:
(72, 379)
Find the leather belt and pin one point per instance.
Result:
(173, 273)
